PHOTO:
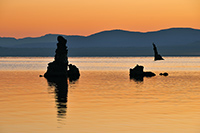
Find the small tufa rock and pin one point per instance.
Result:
(73, 72)
(137, 73)
(164, 74)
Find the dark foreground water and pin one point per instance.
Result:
(104, 99)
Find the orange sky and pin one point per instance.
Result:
(23, 18)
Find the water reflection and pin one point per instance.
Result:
(61, 93)
(137, 79)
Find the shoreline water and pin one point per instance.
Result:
(100, 101)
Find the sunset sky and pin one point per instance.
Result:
(23, 18)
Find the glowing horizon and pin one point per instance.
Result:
(33, 18)
(39, 35)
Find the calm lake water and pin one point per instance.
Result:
(103, 100)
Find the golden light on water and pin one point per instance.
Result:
(102, 100)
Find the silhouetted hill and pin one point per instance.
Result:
(174, 41)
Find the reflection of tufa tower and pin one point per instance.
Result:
(58, 68)
(61, 91)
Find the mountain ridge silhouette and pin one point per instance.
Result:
(172, 41)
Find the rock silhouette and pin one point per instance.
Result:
(156, 55)
(164, 74)
(137, 73)
(73, 72)
(59, 67)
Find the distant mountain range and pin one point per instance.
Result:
(173, 41)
